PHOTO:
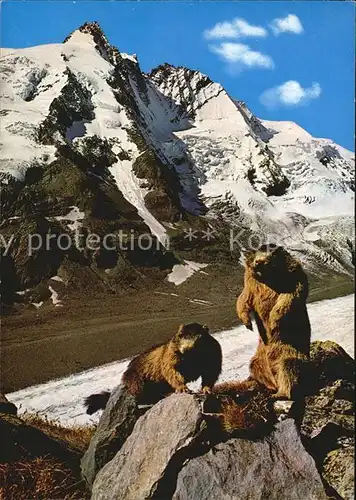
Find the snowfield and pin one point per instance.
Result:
(62, 399)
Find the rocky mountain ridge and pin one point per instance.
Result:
(90, 143)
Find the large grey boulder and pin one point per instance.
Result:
(148, 462)
(276, 467)
(115, 425)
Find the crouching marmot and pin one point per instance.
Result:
(275, 292)
(168, 367)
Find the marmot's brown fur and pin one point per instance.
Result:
(280, 368)
(168, 367)
(275, 292)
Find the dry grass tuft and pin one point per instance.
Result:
(40, 479)
(252, 416)
(77, 436)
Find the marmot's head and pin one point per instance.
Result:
(188, 336)
(269, 262)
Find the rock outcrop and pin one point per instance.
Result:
(178, 451)
(339, 471)
(331, 362)
(328, 431)
(328, 426)
(169, 455)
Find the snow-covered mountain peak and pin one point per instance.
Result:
(188, 88)
(91, 33)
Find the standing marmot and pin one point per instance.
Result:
(166, 368)
(275, 292)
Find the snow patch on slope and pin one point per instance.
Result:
(181, 272)
(129, 185)
(62, 399)
(54, 297)
(75, 215)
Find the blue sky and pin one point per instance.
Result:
(298, 68)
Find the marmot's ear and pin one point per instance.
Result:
(206, 328)
(278, 250)
(248, 256)
(248, 253)
(281, 254)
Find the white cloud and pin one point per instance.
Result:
(241, 54)
(237, 28)
(290, 93)
(288, 24)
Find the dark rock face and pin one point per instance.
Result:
(6, 406)
(146, 464)
(274, 468)
(116, 424)
(8, 279)
(328, 428)
(339, 471)
(73, 104)
(21, 441)
(163, 181)
(331, 362)
(28, 268)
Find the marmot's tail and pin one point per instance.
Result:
(96, 402)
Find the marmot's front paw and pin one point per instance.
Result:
(279, 396)
(182, 389)
(248, 324)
